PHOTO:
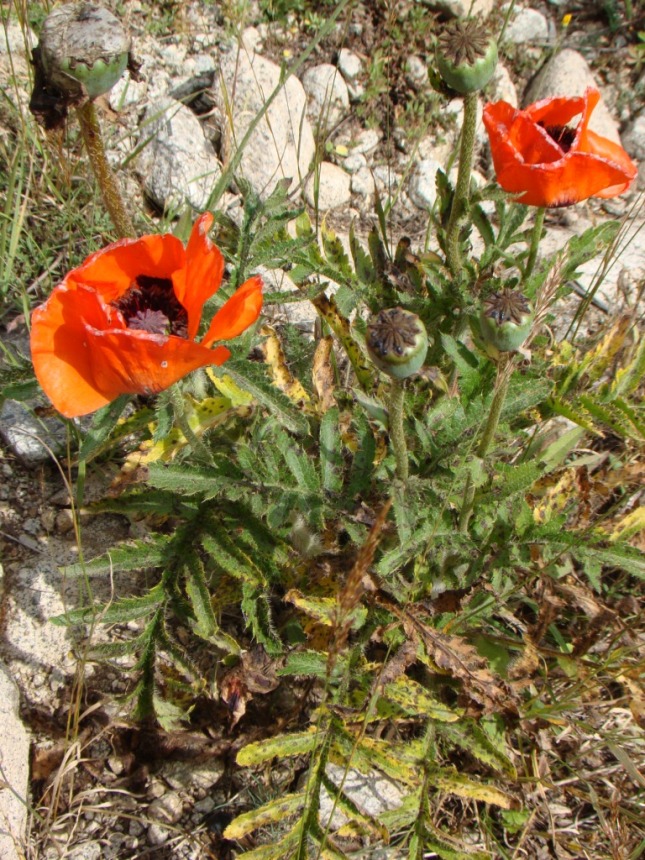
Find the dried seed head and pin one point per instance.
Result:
(466, 56)
(84, 49)
(397, 342)
(505, 319)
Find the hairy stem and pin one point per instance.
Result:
(504, 373)
(397, 434)
(462, 189)
(536, 235)
(112, 198)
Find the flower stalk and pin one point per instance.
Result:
(397, 433)
(462, 188)
(93, 139)
(504, 372)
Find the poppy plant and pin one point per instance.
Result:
(537, 154)
(126, 320)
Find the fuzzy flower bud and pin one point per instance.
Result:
(466, 56)
(505, 320)
(397, 342)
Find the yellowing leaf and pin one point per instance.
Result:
(409, 695)
(273, 812)
(630, 525)
(462, 786)
(277, 364)
(298, 743)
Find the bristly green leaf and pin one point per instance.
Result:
(257, 611)
(134, 556)
(197, 591)
(119, 612)
(284, 746)
(252, 378)
(103, 423)
(331, 461)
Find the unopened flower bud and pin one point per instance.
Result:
(506, 319)
(397, 342)
(84, 49)
(466, 56)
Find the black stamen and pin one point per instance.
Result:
(563, 135)
(151, 305)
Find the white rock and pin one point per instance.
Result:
(502, 87)
(363, 184)
(528, 26)
(386, 179)
(157, 834)
(567, 74)
(354, 162)
(282, 144)
(252, 40)
(422, 185)
(634, 138)
(14, 758)
(350, 65)
(15, 39)
(462, 8)
(373, 792)
(177, 164)
(416, 71)
(327, 96)
(167, 808)
(367, 141)
(332, 189)
(126, 92)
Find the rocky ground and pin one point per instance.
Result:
(358, 106)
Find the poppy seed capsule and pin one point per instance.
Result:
(506, 319)
(466, 56)
(397, 342)
(84, 49)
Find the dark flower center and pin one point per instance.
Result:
(392, 332)
(507, 306)
(150, 304)
(563, 135)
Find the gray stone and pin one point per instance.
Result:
(34, 440)
(502, 87)
(327, 96)
(16, 40)
(528, 26)
(282, 144)
(126, 92)
(416, 71)
(351, 67)
(386, 179)
(354, 162)
(634, 138)
(373, 793)
(422, 185)
(463, 8)
(167, 808)
(14, 770)
(367, 141)
(331, 190)
(177, 164)
(567, 74)
(157, 834)
(189, 775)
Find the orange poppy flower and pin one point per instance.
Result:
(125, 321)
(536, 153)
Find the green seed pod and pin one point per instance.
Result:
(466, 56)
(84, 49)
(505, 320)
(397, 342)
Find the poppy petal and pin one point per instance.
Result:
(137, 362)
(238, 313)
(528, 162)
(62, 361)
(202, 276)
(112, 271)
